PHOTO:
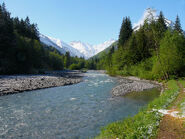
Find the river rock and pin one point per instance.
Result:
(126, 86)
(20, 83)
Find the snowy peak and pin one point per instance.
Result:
(90, 50)
(83, 48)
(100, 47)
(49, 42)
(61, 46)
(149, 15)
(76, 48)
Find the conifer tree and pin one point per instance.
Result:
(109, 58)
(177, 25)
(161, 23)
(125, 31)
(132, 50)
(67, 60)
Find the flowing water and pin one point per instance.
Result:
(75, 111)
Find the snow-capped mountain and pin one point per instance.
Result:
(76, 48)
(100, 47)
(45, 40)
(83, 48)
(90, 50)
(149, 15)
(60, 45)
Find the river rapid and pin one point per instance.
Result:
(68, 112)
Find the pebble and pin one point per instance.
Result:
(127, 86)
(16, 84)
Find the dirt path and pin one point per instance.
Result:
(173, 127)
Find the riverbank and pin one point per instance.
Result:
(133, 84)
(10, 84)
(147, 122)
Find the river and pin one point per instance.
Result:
(75, 111)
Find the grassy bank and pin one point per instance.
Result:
(145, 124)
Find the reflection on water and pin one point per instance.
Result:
(145, 96)
(76, 111)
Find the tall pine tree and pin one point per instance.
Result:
(177, 25)
(125, 31)
(161, 23)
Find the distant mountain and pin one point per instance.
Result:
(90, 50)
(61, 46)
(105, 51)
(86, 49)
(149, 15)
(100, 47)
(76, 48)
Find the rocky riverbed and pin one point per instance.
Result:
(19, 83)
(132, 84)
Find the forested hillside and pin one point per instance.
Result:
(154, 51)
(22, 52)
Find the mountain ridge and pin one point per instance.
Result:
(76, 48)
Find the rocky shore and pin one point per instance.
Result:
(19, 83)
(132, 84)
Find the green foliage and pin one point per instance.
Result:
(161, 23)
(152, 52)
(177, 25)
(125, 31)
(146, 122)
(172, 52)
(104, 52)
(67, 60)
(22, 52)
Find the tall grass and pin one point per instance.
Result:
(146, 122)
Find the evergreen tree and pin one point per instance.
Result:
(158, 29)
(177, 26)
(125, 31)
(7, 40)
(67, 60)
(22, 52)
(161, 23)
(109, 58)
(143, 49)
(132, 51)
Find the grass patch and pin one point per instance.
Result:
(182, 82)
(145, 124)
(181, 105)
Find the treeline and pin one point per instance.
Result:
(22, 52)
(154, 51)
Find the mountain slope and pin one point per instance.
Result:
(45, 40)
(84, 48)
(100, 47)
(105, 51)
(61, 46)
(76, 48)
(90, 50)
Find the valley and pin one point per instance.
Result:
(80, 83)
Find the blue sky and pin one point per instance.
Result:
(91, 21)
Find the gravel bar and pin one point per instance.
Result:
(132, 84)
(20, 83)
